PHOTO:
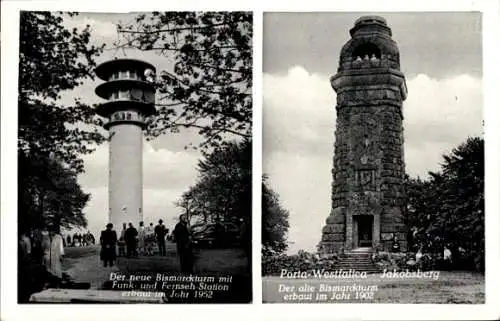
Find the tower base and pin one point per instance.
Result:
(344, 232)
(333, 233)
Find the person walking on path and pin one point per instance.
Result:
(108, 245)
(182, 237)
(131, 240)
(160, 237)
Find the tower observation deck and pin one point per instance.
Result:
(130, 98)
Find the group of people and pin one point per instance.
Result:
(79, 239)
(134, 242)
(425, 245)
(40, 254)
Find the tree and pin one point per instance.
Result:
(51, 137)
(49, 195)
(210, 86)
(421, 202)
(223, 191)
(53, 59)
(274, 221)
(461, 186)
(450, 204)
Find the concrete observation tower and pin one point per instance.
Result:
(130, 95)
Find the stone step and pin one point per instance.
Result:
(356, 260)
(360, 261)
(366, 270)
(361, 269)
(356, 256)
(354, 266)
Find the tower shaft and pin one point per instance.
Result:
(125, 174)
(368, 167)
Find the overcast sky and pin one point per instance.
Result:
(168, 170)
(441, 57)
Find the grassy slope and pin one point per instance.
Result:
(451, 287)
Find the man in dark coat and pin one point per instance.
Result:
(160, 232)
(75, 239)
(182, 237)
(131, 240)
(108, 243)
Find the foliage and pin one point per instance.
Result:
(274, 222)
(448, 208)
(302, 261)
(53, 59)
(210, 86)
(49, 195)
(402, 261)
(224, 187)
(51, 138)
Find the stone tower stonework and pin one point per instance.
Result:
(368, 166)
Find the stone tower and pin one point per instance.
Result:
(368, 166)
(130, 97)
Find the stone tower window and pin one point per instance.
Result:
(366, 51)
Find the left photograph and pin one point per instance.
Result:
(135, 157)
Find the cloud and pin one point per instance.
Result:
(161, 168)
(298, 137)
(166, 175)
(157, 204)
(298, 112)
(439, 115)
(101, 30)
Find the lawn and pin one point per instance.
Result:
(450, 287)
(83, 265)
(211, 261)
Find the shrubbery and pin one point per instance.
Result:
(272, 264)
(407, 261)
(394, 261)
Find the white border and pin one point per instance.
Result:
(256, 311)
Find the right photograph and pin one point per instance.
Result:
(373, 158)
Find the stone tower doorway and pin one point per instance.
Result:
(363, 231)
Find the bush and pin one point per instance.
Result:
(301, 262)
(401, 261)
